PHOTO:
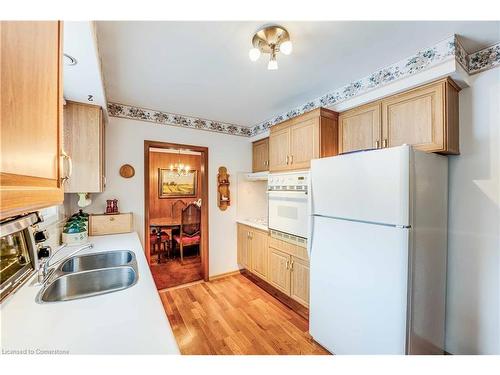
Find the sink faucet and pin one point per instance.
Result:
(43, 271)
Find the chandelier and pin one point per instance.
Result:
(271, 40)
(179, 168)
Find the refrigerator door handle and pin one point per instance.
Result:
(310, 231)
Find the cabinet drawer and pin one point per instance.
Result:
(291, 249)
(110, 224)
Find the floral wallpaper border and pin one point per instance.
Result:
(484, 59)
(173, 119)
(447, 49)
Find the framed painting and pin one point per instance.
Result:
(171, 185)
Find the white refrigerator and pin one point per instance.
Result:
(378, 252)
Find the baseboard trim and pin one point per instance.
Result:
(223, 275)
(279, 295)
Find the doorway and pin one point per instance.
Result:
(176, 212)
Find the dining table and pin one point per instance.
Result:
(165, 224)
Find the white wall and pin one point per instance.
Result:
(473, 313)
(125, 144)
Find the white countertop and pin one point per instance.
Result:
(130, 321)
(255, 223)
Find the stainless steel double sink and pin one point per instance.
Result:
(90, 275)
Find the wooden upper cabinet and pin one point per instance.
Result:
(295, 142)
(260, 155)
(304, 143)
(426, 117)
(84, 143)
(31, 116)
(279, 143)
(360, 128)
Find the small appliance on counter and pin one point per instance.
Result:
(75, 230)
(21, 246)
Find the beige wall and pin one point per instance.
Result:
(473, 313)
(125, 144)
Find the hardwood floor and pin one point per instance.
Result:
(171, 273)
(232, 315)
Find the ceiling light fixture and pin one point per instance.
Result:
(271, 40)
(179, 168)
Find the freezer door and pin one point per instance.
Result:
(358, 292)
(368, 186)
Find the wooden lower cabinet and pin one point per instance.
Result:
(243, 244)
(259, 246)
(299, 280)
(279, 276)
(282, 265)
(289, 270)
(252, 250)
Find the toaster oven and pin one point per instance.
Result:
(18, 251)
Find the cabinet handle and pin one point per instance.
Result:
(291, 159)
(291, 265)
(286, 264)
(385, 143)
(287, 158)
(377, 144)
(65, 156)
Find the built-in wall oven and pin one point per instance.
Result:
(18, 251)
(289, 205)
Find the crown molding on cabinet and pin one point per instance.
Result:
(425, 59)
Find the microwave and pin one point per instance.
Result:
(18, 251)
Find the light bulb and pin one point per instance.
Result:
(272, 65)
(254, 54)
(171, 167)
(286, 47)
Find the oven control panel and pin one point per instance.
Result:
(288, 181)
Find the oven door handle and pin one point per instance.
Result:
(285, 193)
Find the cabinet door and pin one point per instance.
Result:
(259, 250)
(279, 144)
(83, 133)
(359, 129)
(279, 274)
(415, 118)
(31, 115)
(243, 246)
(304, 143)
(299, 284)
(260, 155)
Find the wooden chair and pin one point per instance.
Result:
(190, 234)
(156, 240)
